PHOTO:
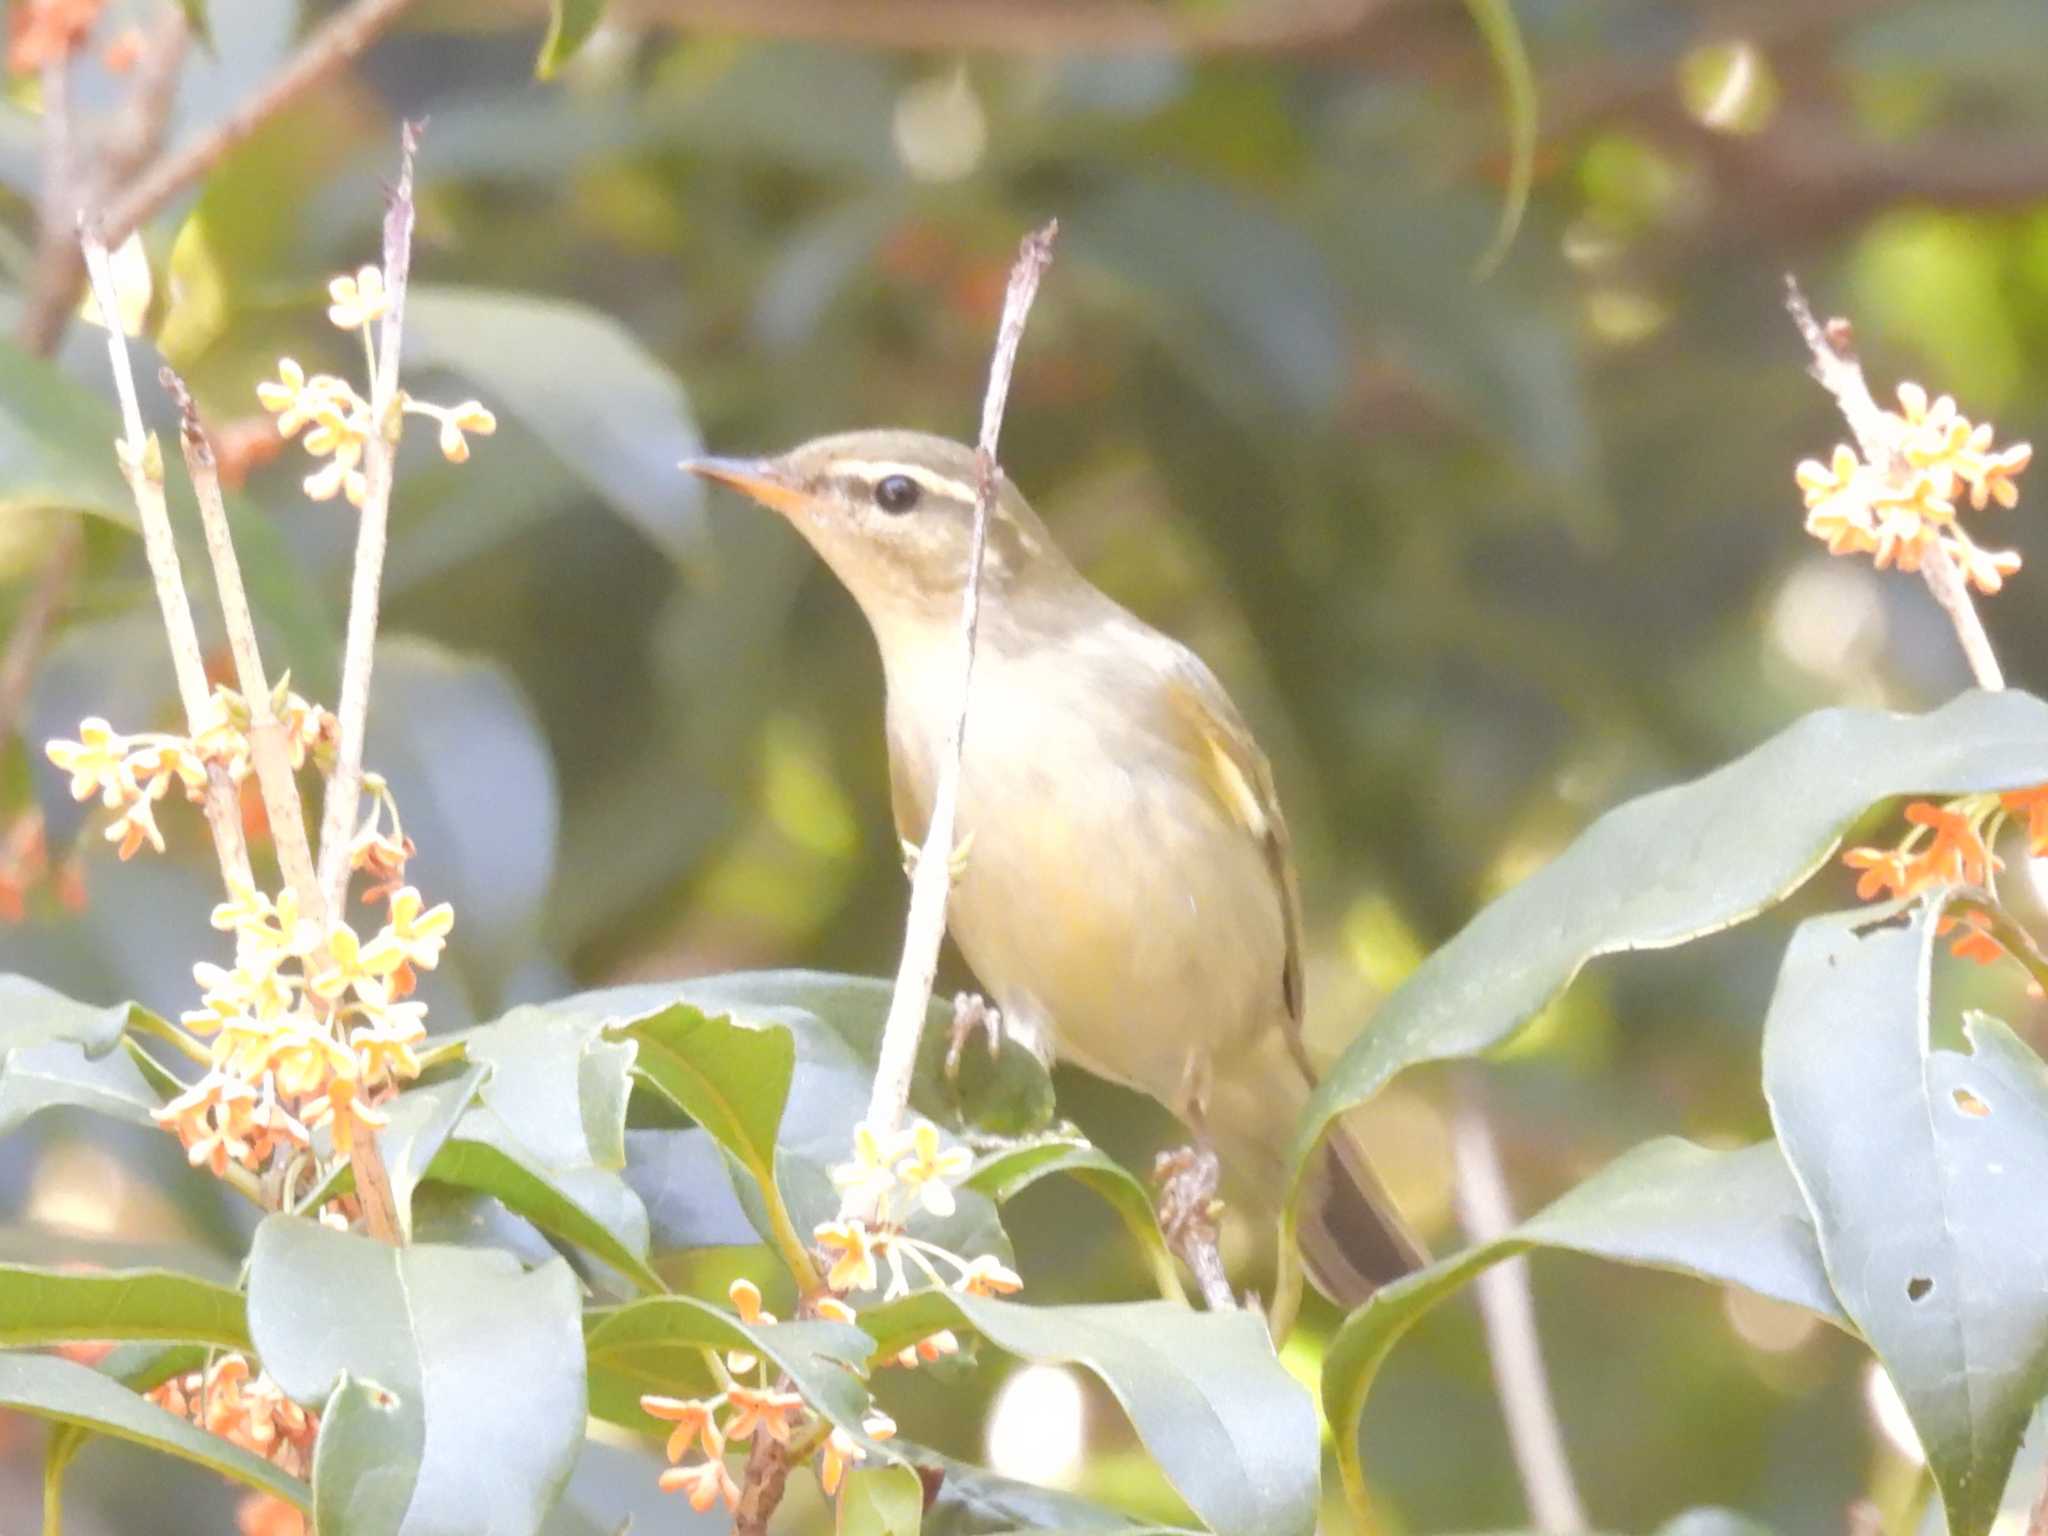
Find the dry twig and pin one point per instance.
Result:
(925, 928)
(142, 464)
(1508, 1312)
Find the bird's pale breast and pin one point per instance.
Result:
(1108, 894)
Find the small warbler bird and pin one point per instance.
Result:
(1127, 894)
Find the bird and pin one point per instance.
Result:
(1127, 896)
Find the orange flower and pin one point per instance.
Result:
(41, 32)
(2032, 804)
(768, 1411)
(1957, 855)
(989, 1276)
(1884, 869)
(693, 1420)
(850, 1252)
(842, 1450)
(706, 1484)
(1976, 942)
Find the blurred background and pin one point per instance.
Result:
(1479, 556)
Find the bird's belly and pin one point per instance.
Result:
(1136, 923)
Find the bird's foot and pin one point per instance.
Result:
(972, 1014)
(1189, 1216)
(956, 861)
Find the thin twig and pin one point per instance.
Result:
(141, 459)
(344, 787)
(1836, 367)
(925, 928)
(1509, 1314)
(75, 183)
(268, 749)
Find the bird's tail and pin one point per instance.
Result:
(1352, 1237)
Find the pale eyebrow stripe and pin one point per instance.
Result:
(873, 470)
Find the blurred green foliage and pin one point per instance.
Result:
(1478, 558)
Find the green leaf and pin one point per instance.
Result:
(484, 1361)
(1735, 1217)
(973, 1501)
(1923, 1169)
(570, 23)
(1496, 22)
(67, 1393)
(40, 1077)
(366, 1460)
(733, 1080)
(581, 383)
(57, 441)
(1671, 866)
(657, 1344)
(420, 1121)
(53, 1306)
(32, 1014)
(549, 1137)
(1009, 1172)
(1234, 1433)
(881, 1501)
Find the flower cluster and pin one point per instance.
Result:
(1951, 845)
(1900, 511)
(911, 1168)
(337, 421)
(242, 1405)
(41, 32)
(131, 773)
(749, 1407)
(309, 1028)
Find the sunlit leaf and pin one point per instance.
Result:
(1735, 1217)
(1674, 865)
(1496, 22)
(1231, 1429)
(881, 1501)
(67, 1393)
(1923, 1168)
(483, 1361)
(54, 1306)
(1012, 1170)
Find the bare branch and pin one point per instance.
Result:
(1836, 367)
(925, 928)
(762, 1483)
(268, 750)
(141, 460)
(1509, 1314)
(344, 788)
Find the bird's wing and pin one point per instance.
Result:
(1236, 772)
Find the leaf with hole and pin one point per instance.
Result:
(483, 1364)
(1736, 1217)
(1923, 1169)
(1673, 866)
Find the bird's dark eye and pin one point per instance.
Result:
(897, 493)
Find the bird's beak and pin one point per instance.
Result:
(762, 479)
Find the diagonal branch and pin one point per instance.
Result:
(142, 464)
(925, 928)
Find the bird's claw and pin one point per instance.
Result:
(972, 1012)
(956, 861)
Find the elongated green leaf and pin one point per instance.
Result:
(483, 1362)
(33, 1014)
(1496, 22)
(1735, 1217)
(975, 1502)
(1672, 866)
(657, 1344)
(1009, 1172)
(1923, 1169)
(53, 1306)
(881, 1501)
(68, 1393)
(1231, 1429)
(582, 384)
(570, 23)
(39, 1077)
